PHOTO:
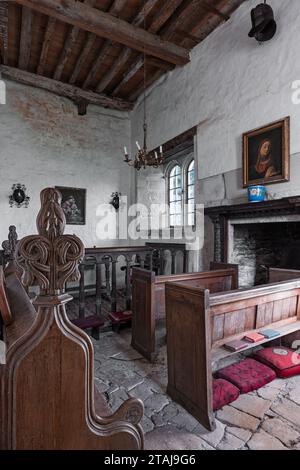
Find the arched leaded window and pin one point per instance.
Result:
(190, 192)
(175, 195)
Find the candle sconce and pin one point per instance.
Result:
(115, 201)
(18, 196)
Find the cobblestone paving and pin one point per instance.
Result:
(266, 419)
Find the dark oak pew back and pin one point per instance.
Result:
(148, 299)
(200, 323)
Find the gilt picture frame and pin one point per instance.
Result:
(73, 204)
(266, 154)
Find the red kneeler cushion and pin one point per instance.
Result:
(284, 361)
(247, 375)
(224, 393)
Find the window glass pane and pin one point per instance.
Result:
(175, 195)
(172, 207)
(178, 208)
(177, 220)
(191, 206)
(172, 183)
(191, 219)
(191, 191)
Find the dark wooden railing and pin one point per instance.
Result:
(159, 259)
(103, 261)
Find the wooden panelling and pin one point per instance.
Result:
(148, 299)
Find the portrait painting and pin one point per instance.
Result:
(266, 154)
(73, 204)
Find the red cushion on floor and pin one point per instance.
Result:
(88, 322)
(120, 317)
(224, 393)
(284, 361)
(247, 375)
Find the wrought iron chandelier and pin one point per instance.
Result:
(143, 157)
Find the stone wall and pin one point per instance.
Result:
(43, 142)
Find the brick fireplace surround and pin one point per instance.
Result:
(257, 236)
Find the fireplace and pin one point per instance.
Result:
(257, 236)
(257, 246)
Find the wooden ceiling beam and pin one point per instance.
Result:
(64, 89)
(149, 5)
(49, 33)
(215, 10)
(158, 21)
(25, 39)
(107, 26)
(188, 8)
(89, 44)
(4, 31)
(115, 10)
(68, 46)
(126, 53)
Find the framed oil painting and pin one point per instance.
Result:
(266, 154)
(73, 204)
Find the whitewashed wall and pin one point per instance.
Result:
(43, 142)
(231, 85)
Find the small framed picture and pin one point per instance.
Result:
(266, 154)
(73, 204)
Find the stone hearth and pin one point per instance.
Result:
(257, 236)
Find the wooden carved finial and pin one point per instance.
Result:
(9, 246)
(50, 259)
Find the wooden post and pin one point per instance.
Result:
(114, 286)
(81, 292)
(127, 284)
(98, 288)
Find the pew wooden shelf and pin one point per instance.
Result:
(219, 352)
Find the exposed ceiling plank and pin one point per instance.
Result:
(83, 57)
(158, 21)
(126, 53)
(25, 39)
(191, 6)
(50, 30)
(4, 31)
(115, 10)
(149, 5)
(66, 52)
(105, 25)
(215, 10)
(64, 89)
(95, 67)
(69, 45)
(137, 67)
(149, 81)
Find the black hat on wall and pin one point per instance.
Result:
(263, 23)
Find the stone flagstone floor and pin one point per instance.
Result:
(263, 420)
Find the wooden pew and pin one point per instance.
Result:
(148, 298)
(279, 274)
(47, 394)
(200, 323)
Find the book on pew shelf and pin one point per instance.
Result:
(269, 333)
(235, 345)
(253, 337)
